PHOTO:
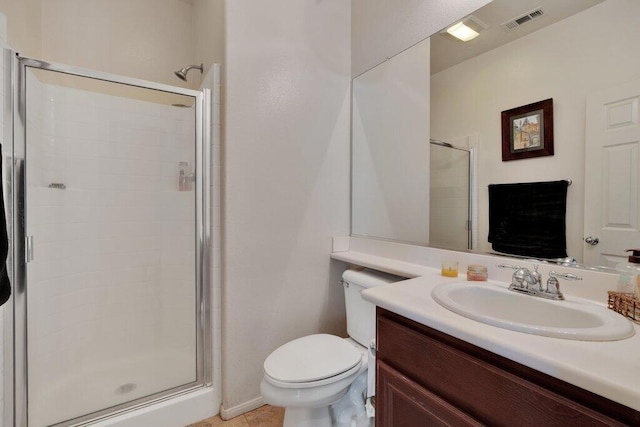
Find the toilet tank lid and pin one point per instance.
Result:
(369, 278)
(311, 358)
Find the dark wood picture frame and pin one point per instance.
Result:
(527, 131)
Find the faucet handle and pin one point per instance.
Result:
(568, 276)
(553, 289)
(553, 285)
(513, 267)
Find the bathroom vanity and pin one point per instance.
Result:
(426, 377)
(438, 367)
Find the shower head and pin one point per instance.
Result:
(182, 73)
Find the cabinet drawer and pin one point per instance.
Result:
(487, 387)
(408, 404)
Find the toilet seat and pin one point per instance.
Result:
(312, 361)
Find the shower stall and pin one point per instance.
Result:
(450, 196)
(107, 187)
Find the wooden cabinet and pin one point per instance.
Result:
(427, 378)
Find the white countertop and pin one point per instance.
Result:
(610, 369)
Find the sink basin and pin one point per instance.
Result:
(572, 319)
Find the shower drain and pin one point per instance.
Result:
(126, 388)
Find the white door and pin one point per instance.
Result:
(612, 158)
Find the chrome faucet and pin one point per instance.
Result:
(530, 282)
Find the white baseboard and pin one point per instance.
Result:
(228, 413)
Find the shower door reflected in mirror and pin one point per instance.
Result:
(450, 196)
(112, 291)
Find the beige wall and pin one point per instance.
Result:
(286, 167)
(147, 39)
(119, 36)
(23, 25)
(209, 27)
(111, 38)
(565, 61)
(381, 29)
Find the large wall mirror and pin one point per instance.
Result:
(427, 135)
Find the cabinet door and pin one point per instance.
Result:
(403, 403)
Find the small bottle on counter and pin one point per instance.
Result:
(449, 269)
(477, 273)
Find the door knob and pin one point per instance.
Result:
(592, 240)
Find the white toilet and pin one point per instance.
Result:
(321, 380)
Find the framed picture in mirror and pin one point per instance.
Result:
(527, 131)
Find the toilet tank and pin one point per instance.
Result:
(361, 314)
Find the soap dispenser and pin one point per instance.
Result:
(629, 274)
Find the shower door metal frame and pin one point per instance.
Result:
(15, 81)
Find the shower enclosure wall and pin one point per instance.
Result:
(109, 197)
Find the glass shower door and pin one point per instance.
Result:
(113, 232)
(449, 197)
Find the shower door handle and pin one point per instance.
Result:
(28, 249)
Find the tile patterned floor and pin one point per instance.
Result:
(264, 416)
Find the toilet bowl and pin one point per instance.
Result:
(324, 368)
(321, 380)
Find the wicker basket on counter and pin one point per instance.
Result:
(626, 304)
